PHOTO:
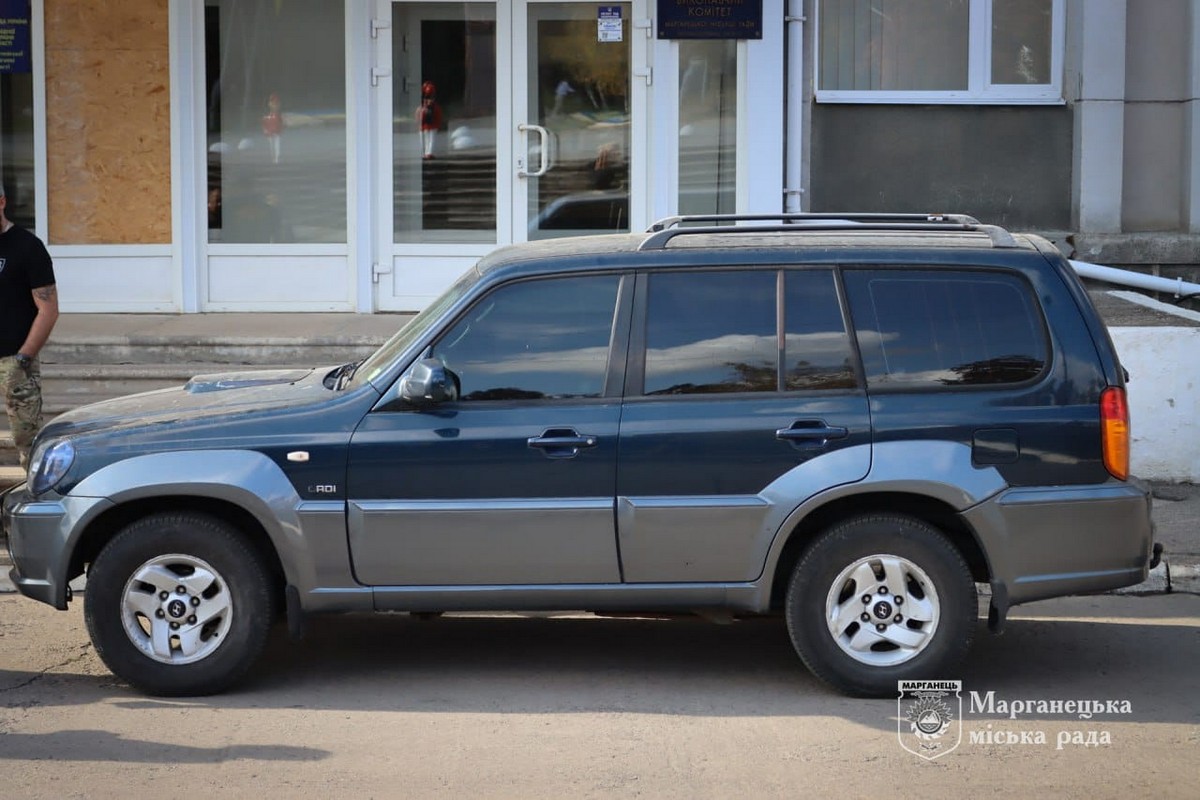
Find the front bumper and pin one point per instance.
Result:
(41, 537)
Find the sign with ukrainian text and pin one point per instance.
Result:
(15, 39)
(710, 19)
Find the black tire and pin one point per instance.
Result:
(223, 614)
(931, 648)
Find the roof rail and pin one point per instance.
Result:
(664, 230)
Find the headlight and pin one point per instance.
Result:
(49, 464)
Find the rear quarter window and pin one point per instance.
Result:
(936, 328)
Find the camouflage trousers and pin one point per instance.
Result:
(23, 402)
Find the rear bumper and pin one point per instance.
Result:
(1053, 541)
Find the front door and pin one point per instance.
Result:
(514, 481)
(501, 122)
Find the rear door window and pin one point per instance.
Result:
(710, 332)
(721, 332)
(922, 328)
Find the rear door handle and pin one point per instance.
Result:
(561, 442)
(810, 433)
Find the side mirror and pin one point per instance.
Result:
(428, 382)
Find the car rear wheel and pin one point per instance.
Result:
(179, 604)
(879, 599)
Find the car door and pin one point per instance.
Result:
(744, 399)
(513, 482)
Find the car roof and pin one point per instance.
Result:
(764, 239)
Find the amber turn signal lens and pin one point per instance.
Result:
(1114, 424)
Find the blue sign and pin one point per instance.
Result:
(608, 24)
(15, 38)
(710, 19)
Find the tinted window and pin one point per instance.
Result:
(534, 340)
(711, 332)
(817, 352)
(946, 328)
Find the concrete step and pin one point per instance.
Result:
(240, 352)
(10, 476)
(69, 381)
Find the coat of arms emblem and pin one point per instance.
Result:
(929, 717)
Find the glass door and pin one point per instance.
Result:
(576, 107)
(500, 122)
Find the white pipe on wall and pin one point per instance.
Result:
(793, 134)
(1177, 287)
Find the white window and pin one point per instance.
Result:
(939, 51)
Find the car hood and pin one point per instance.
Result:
(204, 396)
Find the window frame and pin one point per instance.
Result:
(980, 89)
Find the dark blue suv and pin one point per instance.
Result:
(849, 419)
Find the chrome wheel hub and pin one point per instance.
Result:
(176, 609)
(882, 610)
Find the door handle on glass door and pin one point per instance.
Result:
(544, 163)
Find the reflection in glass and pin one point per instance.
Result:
(817, 351)
(707, 126)
(579, 93)
(711, 332)
(534, 340)
(276, 114)
(917, 45)
(16, 146)
(444, 122)
(1021, 41)
(946, 329)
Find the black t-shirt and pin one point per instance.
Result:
(24, 266)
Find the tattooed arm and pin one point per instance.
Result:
(46, 300)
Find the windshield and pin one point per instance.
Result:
(381, 359)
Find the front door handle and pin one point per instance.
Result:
(810, 433)
(561, 442)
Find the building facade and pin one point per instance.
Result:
(312, 155)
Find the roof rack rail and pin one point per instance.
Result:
(664, 230)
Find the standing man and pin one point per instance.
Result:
(28, 311)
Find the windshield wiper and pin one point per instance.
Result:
(334, 379)
(343, 374)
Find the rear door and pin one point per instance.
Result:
(743, 398)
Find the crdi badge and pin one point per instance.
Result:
(929, 717)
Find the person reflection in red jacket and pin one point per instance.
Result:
(429, 117)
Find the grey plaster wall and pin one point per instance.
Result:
(1157, 67)
(1009, 165)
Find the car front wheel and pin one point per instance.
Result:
(179, 604)
(879, 599)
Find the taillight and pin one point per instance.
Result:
(1114, 426)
